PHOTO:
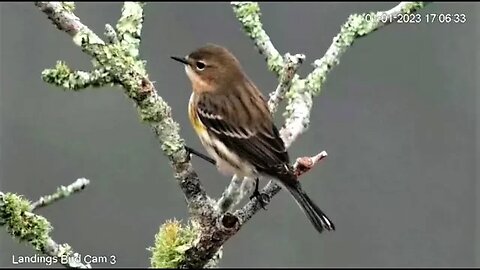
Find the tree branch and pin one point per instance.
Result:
(301, 92)
(111, 34)
(61, 193)
(129, 26)
(292, 63)
(16, 215)
(121, 62)
(248, 13)
(119, 57)
(64, 77)
(301, 166)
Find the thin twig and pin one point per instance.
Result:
(305, 164)
(248, 13)
(300, 103)
(301, 91)
(301, 167)
(62, 192)
(291, 65)
(129, 71)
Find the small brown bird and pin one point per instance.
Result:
(231, 117)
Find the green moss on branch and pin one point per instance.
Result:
(25, 226)
(171, 242)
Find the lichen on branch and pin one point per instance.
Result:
(61, 193)
(299, 92)
(21, 223)
(61, 75)
(118, 61)
(248, 13)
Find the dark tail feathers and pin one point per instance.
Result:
(316, 216)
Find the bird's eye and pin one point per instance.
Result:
(200, 65)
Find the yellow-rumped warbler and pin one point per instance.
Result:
(231, 117)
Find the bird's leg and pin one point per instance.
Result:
(256, 194)
(200, 155)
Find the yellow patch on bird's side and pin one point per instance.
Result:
(192, 114)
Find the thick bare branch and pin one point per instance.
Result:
(226, 225)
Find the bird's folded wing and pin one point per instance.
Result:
(259, 143)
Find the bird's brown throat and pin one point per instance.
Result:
(199, 84)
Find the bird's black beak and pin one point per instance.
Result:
(180, 59)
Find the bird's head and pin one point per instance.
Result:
(211, 67)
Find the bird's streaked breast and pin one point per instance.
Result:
(227, 161)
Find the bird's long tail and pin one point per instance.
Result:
(316, 216)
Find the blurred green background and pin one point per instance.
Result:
(397, 117)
